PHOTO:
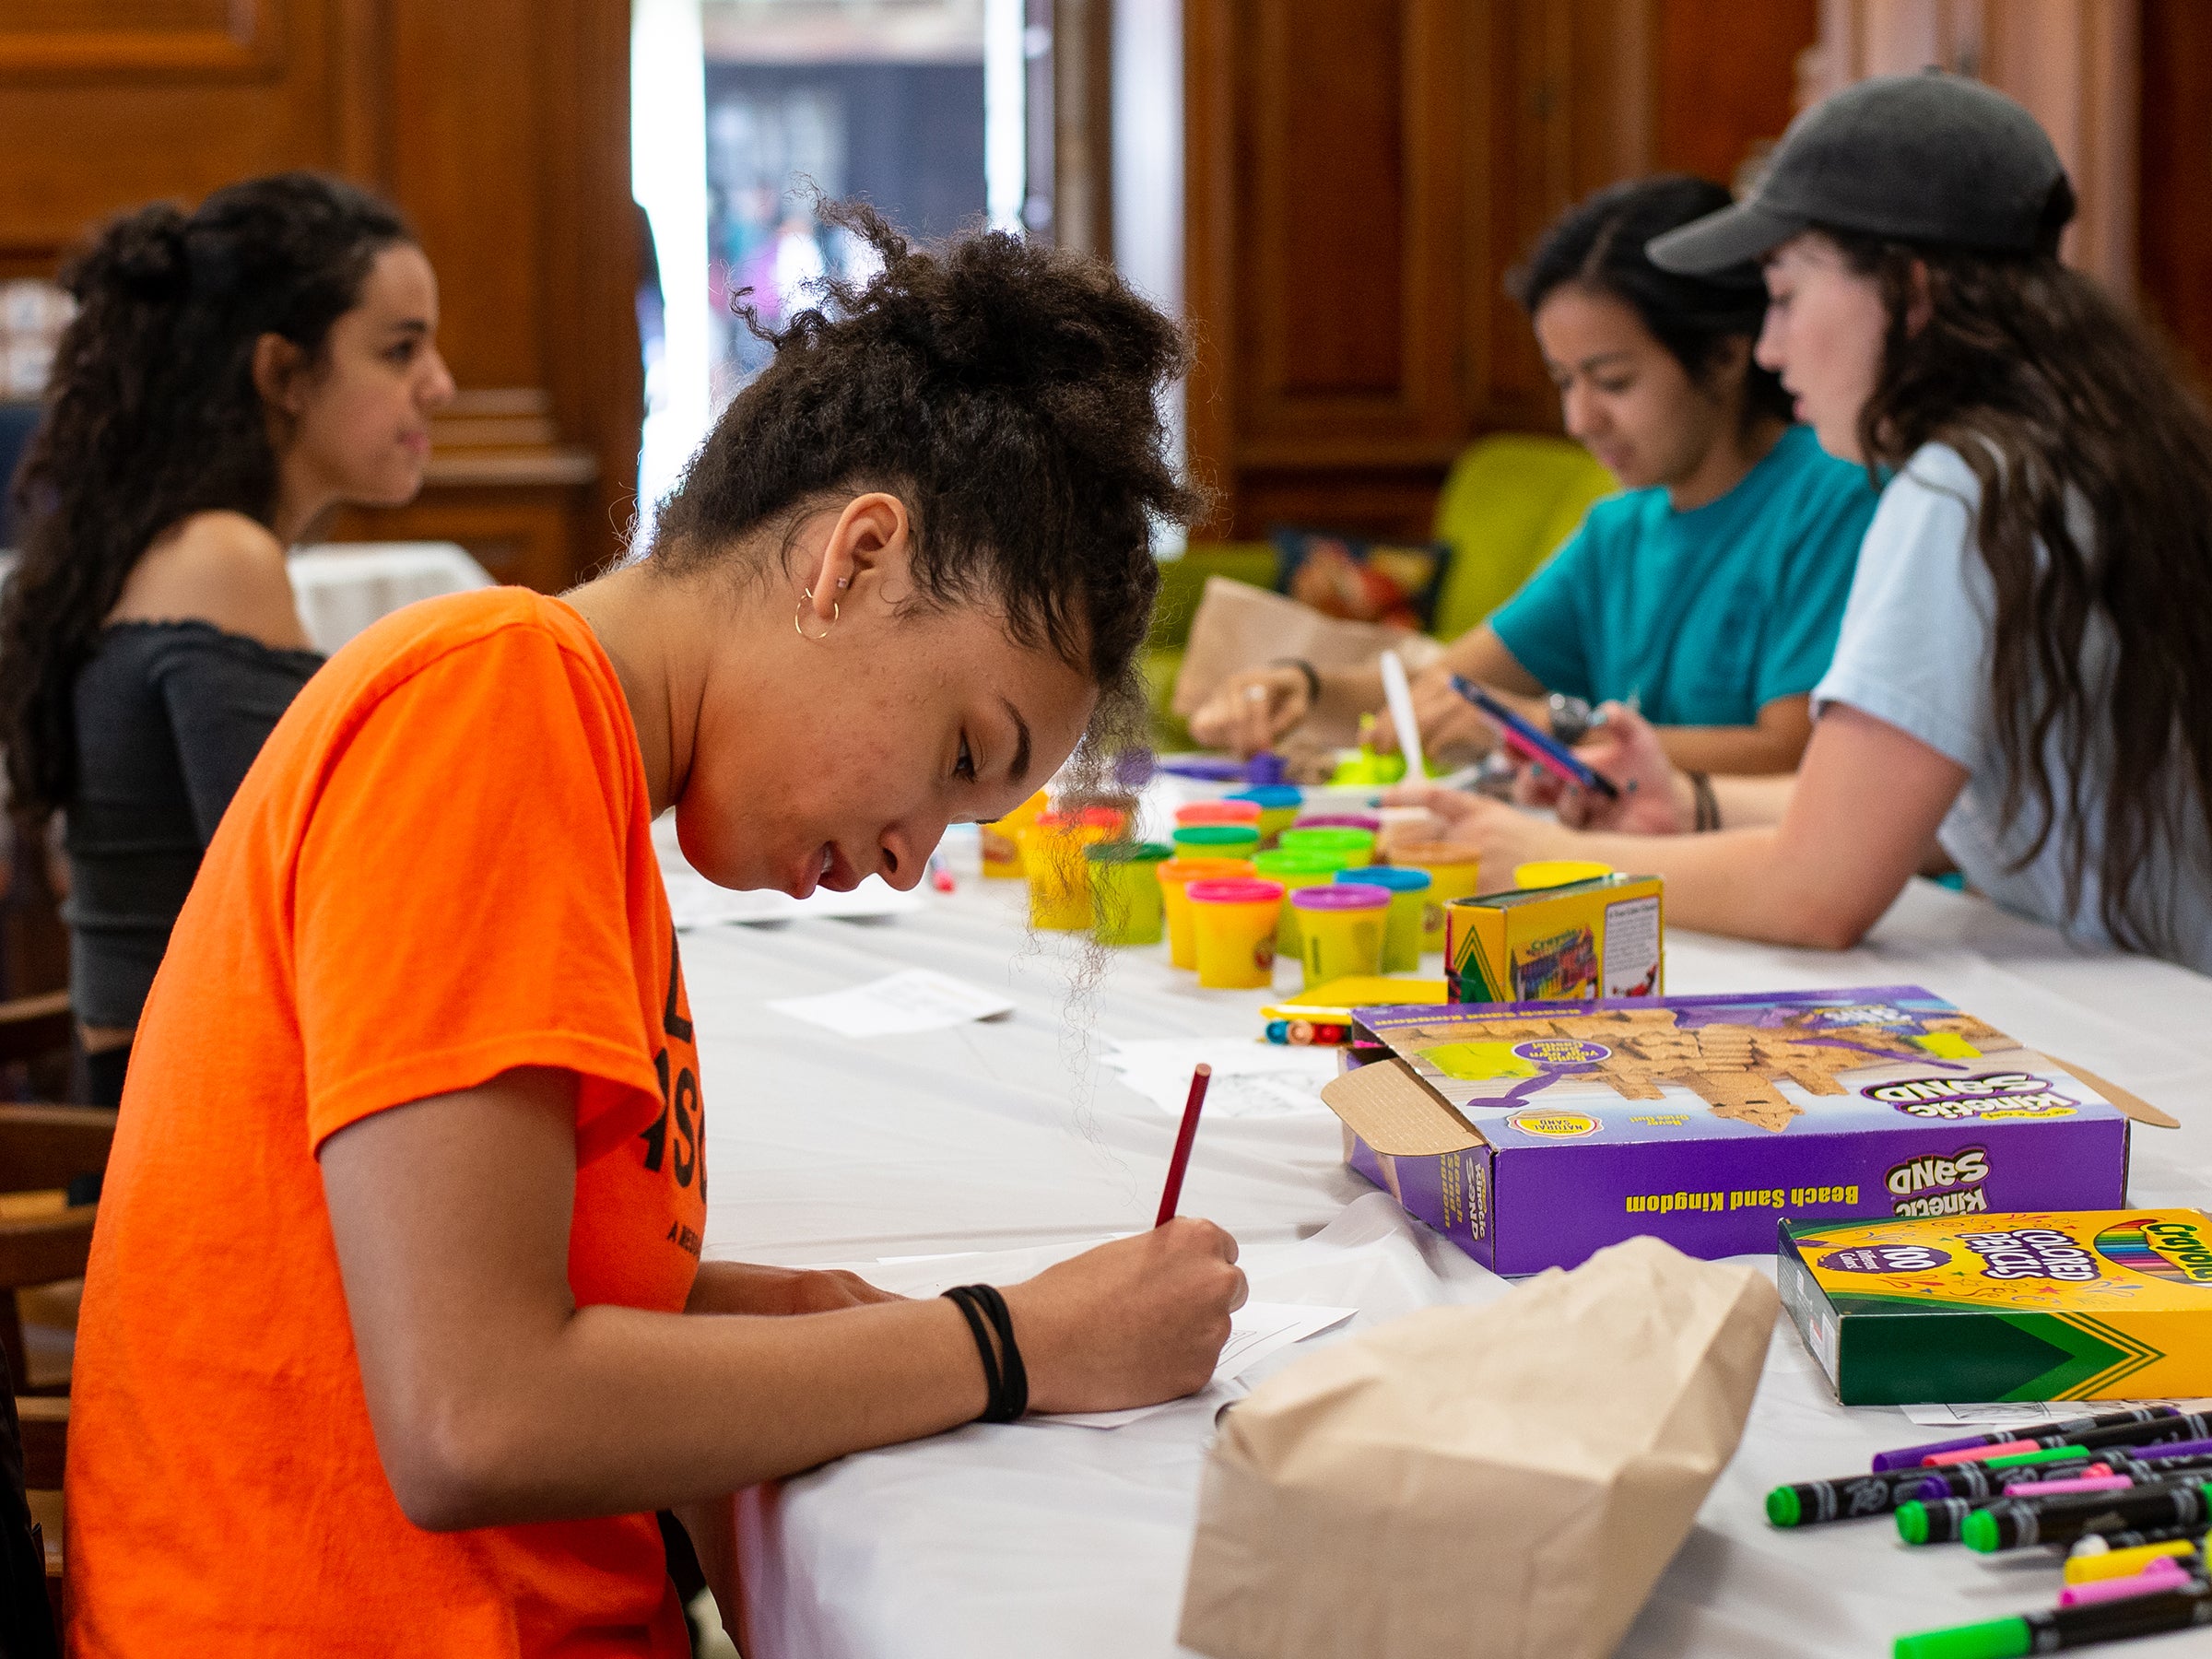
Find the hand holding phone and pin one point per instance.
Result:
(1533, 744)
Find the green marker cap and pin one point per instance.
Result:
(1996, 1639)
(1783, 1507)
(1980, 1532)
(2041, 1454)
(1912, 1522)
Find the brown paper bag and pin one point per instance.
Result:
(1238, 626)
(1494, 1481)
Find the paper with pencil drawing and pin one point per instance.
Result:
(1256, 1330)
(1250, 1078)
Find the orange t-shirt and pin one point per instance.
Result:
(439, 868)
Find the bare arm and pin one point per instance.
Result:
(494, 1399)
(1817, 861)
(1775, 745)
(219, 568)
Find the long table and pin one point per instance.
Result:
(1043, 1540)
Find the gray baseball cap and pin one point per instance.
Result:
(1931, 158)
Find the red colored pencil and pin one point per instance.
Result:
(1171, 1193)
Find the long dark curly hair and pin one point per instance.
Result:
(1009, 393)
(2095, 468)
(152, 415)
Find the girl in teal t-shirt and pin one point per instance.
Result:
(1708, 595)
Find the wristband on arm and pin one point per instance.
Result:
(1709, 804)
(1008, 1382)
(1306, 668)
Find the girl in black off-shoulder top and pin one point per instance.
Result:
(230, 374)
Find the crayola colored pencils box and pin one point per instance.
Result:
(1532, 1133)
(2024, 1305)
(1595, 938)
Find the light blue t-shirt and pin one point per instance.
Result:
(1700, 617)
(1915, 653)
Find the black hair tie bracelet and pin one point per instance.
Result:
(1008, 1382)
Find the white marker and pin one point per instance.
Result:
(1399, 696)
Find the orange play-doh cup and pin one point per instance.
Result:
(1174, 875)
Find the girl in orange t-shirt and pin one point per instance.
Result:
(395, 1333)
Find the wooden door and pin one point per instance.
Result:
(500, 126)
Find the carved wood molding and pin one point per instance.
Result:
(232, 40)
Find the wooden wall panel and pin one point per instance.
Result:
(500, 126)
(2174, 237)
(1362, 175)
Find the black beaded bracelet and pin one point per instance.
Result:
(1306, 668)
(1004, 1376)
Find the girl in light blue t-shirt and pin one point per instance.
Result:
(2023, 685)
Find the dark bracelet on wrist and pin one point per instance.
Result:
(1003, 1374)
(1306, 668)
(1709, 804)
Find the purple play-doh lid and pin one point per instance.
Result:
(1343, 896)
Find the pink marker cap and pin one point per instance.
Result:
(2078, 1483)
(2163, 1573)
(1978, 1453)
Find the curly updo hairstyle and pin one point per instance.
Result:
(1007, 393)
(152, 415)
(1598, 246)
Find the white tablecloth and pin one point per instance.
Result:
(1034, 1540)
(342, 587)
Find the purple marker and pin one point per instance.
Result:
(1906, 1457)
(2158, 1452)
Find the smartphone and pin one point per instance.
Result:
(1535, 743)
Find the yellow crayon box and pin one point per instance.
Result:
(1604, 936)
(2021, 1305)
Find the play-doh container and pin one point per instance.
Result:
(1232, 925)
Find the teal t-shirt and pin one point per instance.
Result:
(1700, 617)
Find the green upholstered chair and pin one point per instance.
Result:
(1508, 503)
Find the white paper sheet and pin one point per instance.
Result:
(1250, 1078)
(918, 999)
(1256, 1330)
(2006, 1413)
(695, 902)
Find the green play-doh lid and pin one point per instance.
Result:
(1217, 836)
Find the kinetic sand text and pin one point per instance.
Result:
(1775, 1198)
(1998, 1094)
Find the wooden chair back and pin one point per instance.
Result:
(44, 1424)
(42, 1149)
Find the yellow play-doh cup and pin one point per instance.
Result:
(1408, 892)
(1125, 905)
(1052, 856)
(1557, 872)
(1002, 840)
(1279, 805)
(1232, 927)
(1296, 869)
(1174, 875)
(1455, 873)
(1340, 930)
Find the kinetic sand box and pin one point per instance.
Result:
(2029, 1305)
(1600, 937)
(1533, 1135)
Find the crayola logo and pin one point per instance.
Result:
(2175, 1251)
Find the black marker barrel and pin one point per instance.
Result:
(1979, 1480)
(2195, 1426)
(1810, 1502)
(1942, 1522)
(2014, 1523)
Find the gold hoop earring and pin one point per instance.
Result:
(798, 628)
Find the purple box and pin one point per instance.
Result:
(1532, 1134)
